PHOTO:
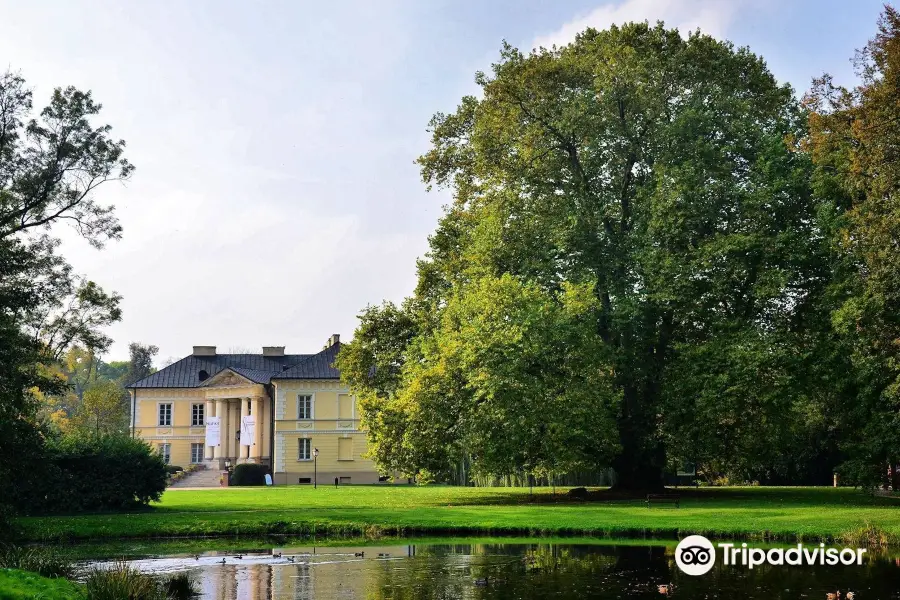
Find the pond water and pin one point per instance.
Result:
(495, 569)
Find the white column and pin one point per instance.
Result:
(209, 411)
(256, 451)
(226, 433)
(220, 450)
(245, 411)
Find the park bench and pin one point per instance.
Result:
(663, 499)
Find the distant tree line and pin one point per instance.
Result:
(655, 254)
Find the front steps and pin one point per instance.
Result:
(201, 478)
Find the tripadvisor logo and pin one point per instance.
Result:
(695, 555)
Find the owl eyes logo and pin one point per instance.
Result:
(695, 555)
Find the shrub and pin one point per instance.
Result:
(249, 474)
(121, 581)
(100, 473)
(180, 586)
(172, 469)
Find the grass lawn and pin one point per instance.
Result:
(783, 514)
(19, 585)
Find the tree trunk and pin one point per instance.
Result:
(639, 466)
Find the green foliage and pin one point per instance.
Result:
(122, 581)
(46, 561)
(621, 205)
(140, 362)
(113, 371)
(50, 167)
(103, 410)
(91, 473)
(853, 137)
(249, 474)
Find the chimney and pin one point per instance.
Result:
(204, 350)
(273, 350)
(334, 339)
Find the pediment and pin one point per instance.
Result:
(226, 378)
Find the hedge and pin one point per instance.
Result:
(249, 474)
(97, 473)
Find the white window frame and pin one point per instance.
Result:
(194, 446)
(165, 450)
(304, 441)
(352, 406)
(159, 408)
(312, 407)
(202, 421)
(352, 448)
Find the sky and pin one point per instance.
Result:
(276, 192)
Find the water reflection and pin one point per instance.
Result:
(491, 571)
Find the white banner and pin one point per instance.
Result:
(212, 431)
(248, 429)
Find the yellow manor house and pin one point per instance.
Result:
(288, 411)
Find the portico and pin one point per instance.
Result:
(231, 397)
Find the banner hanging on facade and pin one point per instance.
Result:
(248, 429)
(212, 431)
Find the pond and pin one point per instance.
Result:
(501, 569)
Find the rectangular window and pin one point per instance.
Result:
(344, 480)
(345, 406)
(196, 453)
(305, 449)
(305, 480)
(197, 419)
(304, 406)
(165, 451)
(165, 414)
(345, 448)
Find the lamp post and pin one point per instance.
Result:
(315, 468)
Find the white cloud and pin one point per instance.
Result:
(711, 16)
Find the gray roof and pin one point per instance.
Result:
(254, 375)
(257, 368)
(317, 366)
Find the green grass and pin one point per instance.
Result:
(19, 585)
(779, 514)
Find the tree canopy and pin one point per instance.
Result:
(632, 246)
(51, 164)
(853, 140)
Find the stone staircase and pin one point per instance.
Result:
(200, 478)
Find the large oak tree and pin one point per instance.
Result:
(659, 175)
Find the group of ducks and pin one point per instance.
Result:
(241, 557)
(291, 559)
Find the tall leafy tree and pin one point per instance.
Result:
(51, 164)
(854, 140)
(140, 361)
(660, 174)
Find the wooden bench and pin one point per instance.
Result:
(663, 499)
